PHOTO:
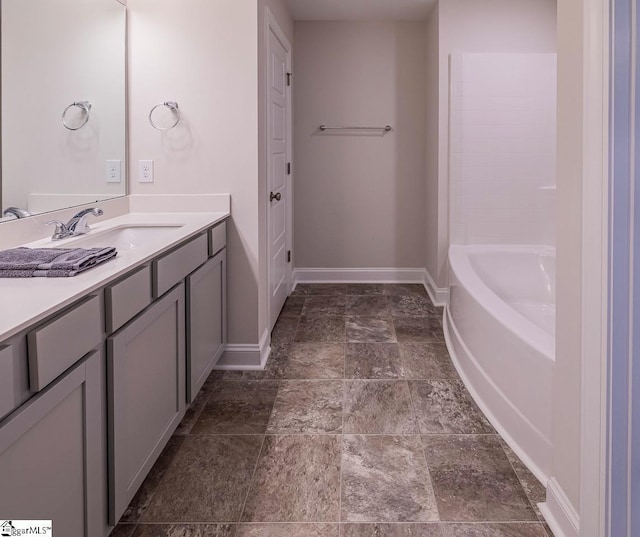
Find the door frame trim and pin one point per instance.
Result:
(271, 26)
(595, 268)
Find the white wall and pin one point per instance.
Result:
(204, 55)
(359, 198)
(469, 26)
(55, 53)
(502, 169)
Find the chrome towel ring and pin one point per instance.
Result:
(85, 106)
(171, 105)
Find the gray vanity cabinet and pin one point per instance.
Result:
(146, 387)
(81, 426)
(206, 321)
(51, 453)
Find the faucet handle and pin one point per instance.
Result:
(61, 229)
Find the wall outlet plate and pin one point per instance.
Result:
(114, 171)
(145, 171)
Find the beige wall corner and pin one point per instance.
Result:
(432, 148)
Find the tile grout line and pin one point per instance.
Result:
(273, 405)
(321, 379)
(253, 476)
(196, 418)
(422, 449)
(155, 489)
(380, 379)
(524, 489)
(344, 374)
(360, 523)
(255, 468)
(337, 434)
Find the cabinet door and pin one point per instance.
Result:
(51, 451)
(206, 321)
(146, 392)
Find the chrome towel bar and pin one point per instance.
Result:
(386, 128)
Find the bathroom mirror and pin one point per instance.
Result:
(63, 103)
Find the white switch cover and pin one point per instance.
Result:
(145, 171)
(114, 171)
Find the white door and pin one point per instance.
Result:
(278, 174)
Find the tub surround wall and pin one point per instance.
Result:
(359, 198)
(502, 149)
(492, 26)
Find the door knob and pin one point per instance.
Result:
(277, 196)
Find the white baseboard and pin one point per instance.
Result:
(239, 357)
(358, 275)
(559, 513)
(438, 295)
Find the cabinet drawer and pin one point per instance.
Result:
(175, 266)
(57, 345)
(217, 238)
(125, 299)
(14, 375)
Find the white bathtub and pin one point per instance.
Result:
(500, 330)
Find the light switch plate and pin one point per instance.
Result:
(114, 171)
(145, 171)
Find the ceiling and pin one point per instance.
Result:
(365, 10)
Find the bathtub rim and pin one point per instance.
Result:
(501, 311)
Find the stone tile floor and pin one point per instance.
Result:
(358, 427)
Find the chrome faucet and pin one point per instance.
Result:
(16, 211)
(76, 226)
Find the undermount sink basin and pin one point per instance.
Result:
(123, 238)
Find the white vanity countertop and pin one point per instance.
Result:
(26, 301)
